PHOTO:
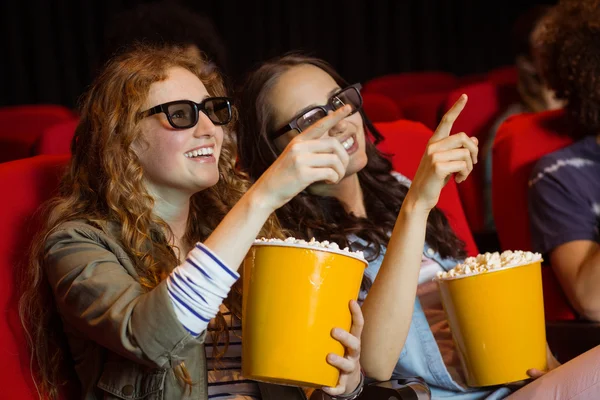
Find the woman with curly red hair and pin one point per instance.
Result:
(143, 243)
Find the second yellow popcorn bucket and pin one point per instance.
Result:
(294, 295)
(497, 322)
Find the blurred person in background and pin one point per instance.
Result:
(564, 190)
(534, 94)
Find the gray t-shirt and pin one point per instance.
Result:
(564, 196)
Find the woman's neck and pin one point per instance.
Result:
(348, 192)
(175, 213)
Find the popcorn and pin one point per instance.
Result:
(325, 244)
(489, 262)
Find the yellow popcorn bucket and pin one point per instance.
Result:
(497, 323)
(294, 295)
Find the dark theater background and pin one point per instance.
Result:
(50, 46)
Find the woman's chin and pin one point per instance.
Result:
(357, 163)
(206, 183)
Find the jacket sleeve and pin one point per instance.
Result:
(98, 298)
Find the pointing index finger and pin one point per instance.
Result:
(324, 124)
(445, 126)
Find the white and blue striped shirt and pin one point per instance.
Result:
(197, 289)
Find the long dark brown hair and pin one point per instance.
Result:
(105, 181)
(325, 218)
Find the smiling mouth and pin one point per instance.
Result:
(348, 143)
(203, 152)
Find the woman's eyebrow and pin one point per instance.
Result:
(334, 91)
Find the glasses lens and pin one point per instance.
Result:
(182, 115)
(349, 96)
(310, 117)
(218, 110)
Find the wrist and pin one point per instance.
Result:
(258, 201)
(414, 206)
(355, 393)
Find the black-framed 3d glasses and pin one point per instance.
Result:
(349, 95)
(184, 114)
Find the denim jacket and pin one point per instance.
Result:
(421, 355)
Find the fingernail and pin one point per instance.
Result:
(463, 96)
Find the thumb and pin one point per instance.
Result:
(535, 373)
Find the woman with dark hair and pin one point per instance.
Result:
(373, 208)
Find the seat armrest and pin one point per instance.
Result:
(561, 335)
(394, 389)
(397, 389)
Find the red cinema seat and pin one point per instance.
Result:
(380, 108)
(521, 141)
(21, 127)
(56, 139)
(406, 142)
(31, 181)
(476, 119)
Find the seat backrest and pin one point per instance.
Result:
(424, 107)
(483, 106)
(380, 108)
(407, 84)
(56, 139)
(520, 142)
(21, 126)
(406, 141)
(506, 80)
(27, 183)
(476, 119)
(504, 75)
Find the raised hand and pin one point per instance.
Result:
(445, 155)
(308, 158)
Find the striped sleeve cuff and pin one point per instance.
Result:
(198, 286)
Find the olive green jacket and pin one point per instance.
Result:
(126, 343)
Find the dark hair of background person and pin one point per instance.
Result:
(164, 23)
(524, 27)
(325, 218)
(570, 60)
